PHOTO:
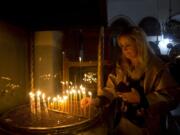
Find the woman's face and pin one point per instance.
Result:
(128, 46)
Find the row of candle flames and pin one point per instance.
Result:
(68, 102)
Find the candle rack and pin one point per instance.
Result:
(20, 121)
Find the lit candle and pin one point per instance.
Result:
(67, 84)
(54, 103)
(62, 104)
(63, 85)
(71, 104)
(79, 95)
(67, 92)
(32, 102)
(49, 105)
(83, 92)
(58, 104)
(73, 100)
(44, 104)
(84, 96)
(38, 93)
(90, 95)
(65, 103)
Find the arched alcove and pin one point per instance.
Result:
(150, 25)
(120, 21)
(172, 27)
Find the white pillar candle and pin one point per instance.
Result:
(32, 103)
(65, 103)
(58, 102)
(84, 96)
(71, 103)
(38, 94)
(44, 104)
(54, 103)
(79, 102)
(66, 85)
(73, 100)
(67, 93)
(63, 85)
(90, 95)
(49, 105)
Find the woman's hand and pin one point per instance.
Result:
(85, 102)
(130, 97)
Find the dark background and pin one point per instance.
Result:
(49, 15)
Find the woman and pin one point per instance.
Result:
(143, 85)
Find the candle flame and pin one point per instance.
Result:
(38, 93)
(89, 93)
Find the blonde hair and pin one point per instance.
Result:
(143, 49)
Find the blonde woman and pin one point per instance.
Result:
(143, 86)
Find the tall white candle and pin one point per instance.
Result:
(32, 102)
(79, 96)
(71, 104)
(73, 100)
(84, 96)
(38, 93)
(54, 103)
(65, 103)
(60, 102)
(67, 84)
(49, 105)
(63, 85)
(44, 104)
(90, 95)
(68, 97)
